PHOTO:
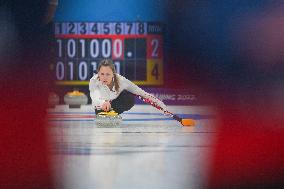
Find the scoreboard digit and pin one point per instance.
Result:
(135, 47)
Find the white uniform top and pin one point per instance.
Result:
(100, 93)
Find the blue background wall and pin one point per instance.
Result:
(111, 10)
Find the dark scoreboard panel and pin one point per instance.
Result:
(135, 47)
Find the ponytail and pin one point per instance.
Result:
(115, 80)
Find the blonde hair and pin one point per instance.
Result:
(109, 63)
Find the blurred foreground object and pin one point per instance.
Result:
(250, 144)
(25, 161)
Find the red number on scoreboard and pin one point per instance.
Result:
(117, 48)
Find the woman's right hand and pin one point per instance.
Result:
(106, 106)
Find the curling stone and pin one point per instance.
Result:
(108, 119)
(75, 99)
(53, 100)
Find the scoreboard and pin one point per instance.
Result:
(136, 49)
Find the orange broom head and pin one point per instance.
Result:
(188, 122)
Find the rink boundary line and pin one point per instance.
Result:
(103, 150)
(92, 113)
(149, 119)
(87, 117)
(130, 113)
(126, 120)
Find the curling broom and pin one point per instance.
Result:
(184, 122)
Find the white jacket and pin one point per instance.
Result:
(100, 93)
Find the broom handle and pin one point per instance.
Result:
(148, 101)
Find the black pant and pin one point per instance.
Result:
(125, 101)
